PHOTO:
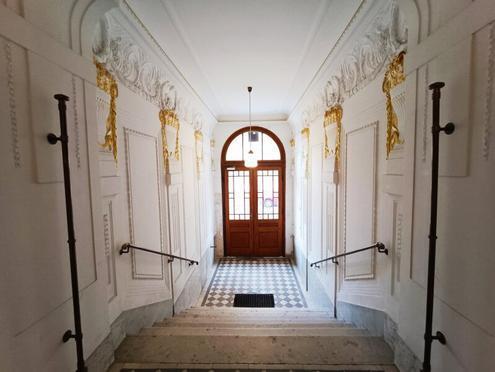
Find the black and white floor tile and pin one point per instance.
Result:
(254, 275)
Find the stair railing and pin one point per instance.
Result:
(126, 248)
(64, 140)
(380, 247)
(430, 289)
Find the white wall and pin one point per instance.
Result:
(221, 133)
(388, 200)
(46, 49)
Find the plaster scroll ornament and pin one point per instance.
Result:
(386, 37)
(333, 115)
(117, 52)
(394, 75)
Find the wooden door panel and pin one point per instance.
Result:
(269, 211)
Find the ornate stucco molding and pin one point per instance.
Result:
(115, 49)
(16, 152)
(487, 122)
(387, 37)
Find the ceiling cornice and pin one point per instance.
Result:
(137, 21)
(326, 61)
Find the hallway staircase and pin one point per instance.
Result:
(240, 339)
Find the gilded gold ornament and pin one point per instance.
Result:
(106, 82)
(333, 115)
(394, 75)
(169, 118)
(198, 136)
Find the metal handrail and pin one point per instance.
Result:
(380, 246)
(126, 247)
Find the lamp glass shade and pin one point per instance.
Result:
(250, 161)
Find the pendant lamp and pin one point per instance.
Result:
(251, 161)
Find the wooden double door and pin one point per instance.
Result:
(254, 210)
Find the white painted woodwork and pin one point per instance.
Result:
(360, 201)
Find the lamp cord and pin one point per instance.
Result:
(250, 125)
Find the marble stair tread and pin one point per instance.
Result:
(258, 331)
(251, 319)
(118, 367)
(255, 350)
(233, 310)
(257, 315)
(251, 324)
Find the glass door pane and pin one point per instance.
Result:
(268, 194)
(238, 195)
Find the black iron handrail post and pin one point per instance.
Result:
(64, 140)
(430, 291)
(378, 245)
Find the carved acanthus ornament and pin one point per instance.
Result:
(116, 52)
(168, 117)
(394, 75)
(106, 82)
(333, 116)
(385, 38)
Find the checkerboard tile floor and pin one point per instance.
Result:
(254, 275)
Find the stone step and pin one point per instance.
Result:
(259, 331)
(304, 350)
(250, 310)
(265, 311)
(158, 367)
(252, 324)
(250, 319)
(255, 317)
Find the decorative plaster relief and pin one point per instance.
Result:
(487, 124)
(45, 80)
(425, 115)
(360, 200)
(386, 37)
(145, 205)
(114, 48)
(16, 153)
(77, 139)
(108, 234)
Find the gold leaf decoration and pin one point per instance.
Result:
(305, 134)
(169, 118)
(394, 75)
(333, 115)
(107, 83)
(198, 136)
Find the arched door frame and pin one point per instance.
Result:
(232, 163)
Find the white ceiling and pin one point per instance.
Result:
(222, 46)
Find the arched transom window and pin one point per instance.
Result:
(263, 146)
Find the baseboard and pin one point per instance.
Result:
(315, 296)
(378, 323)
(129, 322)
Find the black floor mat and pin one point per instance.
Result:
(254, 300)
